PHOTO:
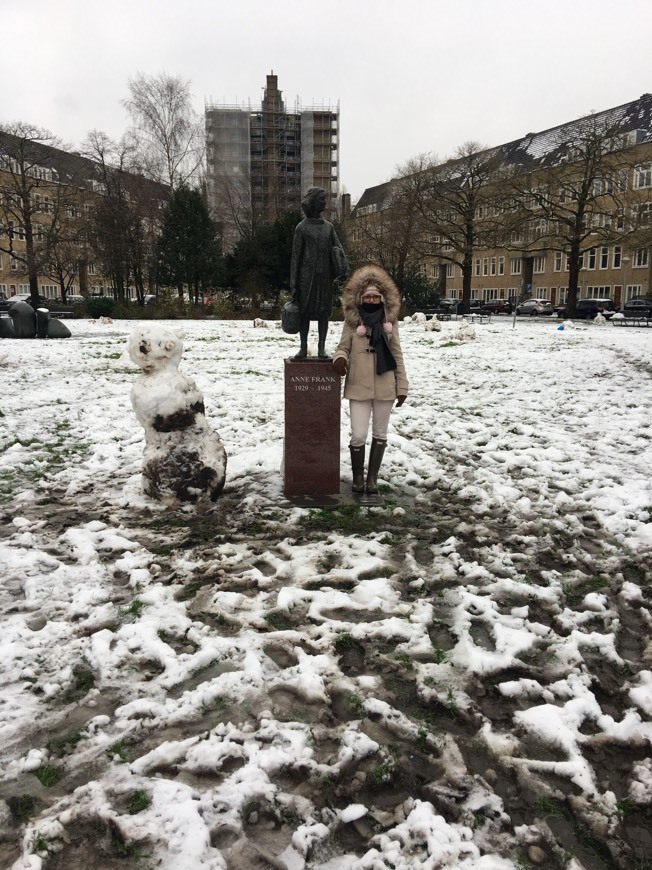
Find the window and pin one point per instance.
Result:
(493, 265)
(485, 265)
(641, 258)
(643, 176)
(602, 185)
(599, 292)
(501, 265)
(643, 214)
(450, 270)
(604, 258)
(558, 261)
(618, 256)
(592, 259)
(620, 219)
(515, 266)
(13, 263)
(91, 268)
(539, 228)
(477, 267)
(539, 265)
(435, 271)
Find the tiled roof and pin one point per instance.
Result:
(545, 147)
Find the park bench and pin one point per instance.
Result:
(631, 321)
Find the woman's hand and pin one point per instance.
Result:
(339, 364)
(400, 400)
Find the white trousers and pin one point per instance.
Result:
(361, 411)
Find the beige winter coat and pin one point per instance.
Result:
(362, 382)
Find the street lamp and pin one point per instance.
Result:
(624, 261)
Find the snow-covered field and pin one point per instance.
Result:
(461, 678)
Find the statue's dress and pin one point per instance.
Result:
(318, 258)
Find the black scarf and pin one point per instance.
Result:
(373, 317)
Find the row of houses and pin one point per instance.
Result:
(567, 209)
(571, 205)
(71, 224)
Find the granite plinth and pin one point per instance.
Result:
(311, 454)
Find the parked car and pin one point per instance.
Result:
(150, 299)
(27, 297)
(587, 309)
(497, 306)
(75, 299)
(638, 306)
(535, 307)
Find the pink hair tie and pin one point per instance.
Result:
(361, 330)
(387, 326)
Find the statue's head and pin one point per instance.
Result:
(314, 202)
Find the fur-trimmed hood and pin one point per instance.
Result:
(358, 282)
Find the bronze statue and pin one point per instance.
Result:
(318, 260)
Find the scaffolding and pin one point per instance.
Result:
(270, 156)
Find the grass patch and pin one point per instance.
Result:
(135, 609)
(138, 802)
(47, 775)
(22, 807)
(574, 595)
(119, 749)
(356, 702)
(60, 746)
(279, 620)
(188, 592)
(352, 519)
(550, 808)
(83, 680)
(40, 844)
(439, 654)
(381, 775)
(345, 641)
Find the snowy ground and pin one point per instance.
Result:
(462, 678)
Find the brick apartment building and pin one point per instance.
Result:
(531, 260)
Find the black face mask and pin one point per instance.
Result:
(370, 307)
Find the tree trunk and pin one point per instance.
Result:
(573, 277)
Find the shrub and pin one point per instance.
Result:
(99, 306)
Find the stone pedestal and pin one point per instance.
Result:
(312, 428)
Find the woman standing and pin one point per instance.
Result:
(369, 354)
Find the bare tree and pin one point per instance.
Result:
(36, 197)
(574, 197)
(388, 229)
(125, 215)
(167, 133)
(229, 195)
(462, 208)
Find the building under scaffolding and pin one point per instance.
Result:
(259, 163)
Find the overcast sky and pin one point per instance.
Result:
(411, 76)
